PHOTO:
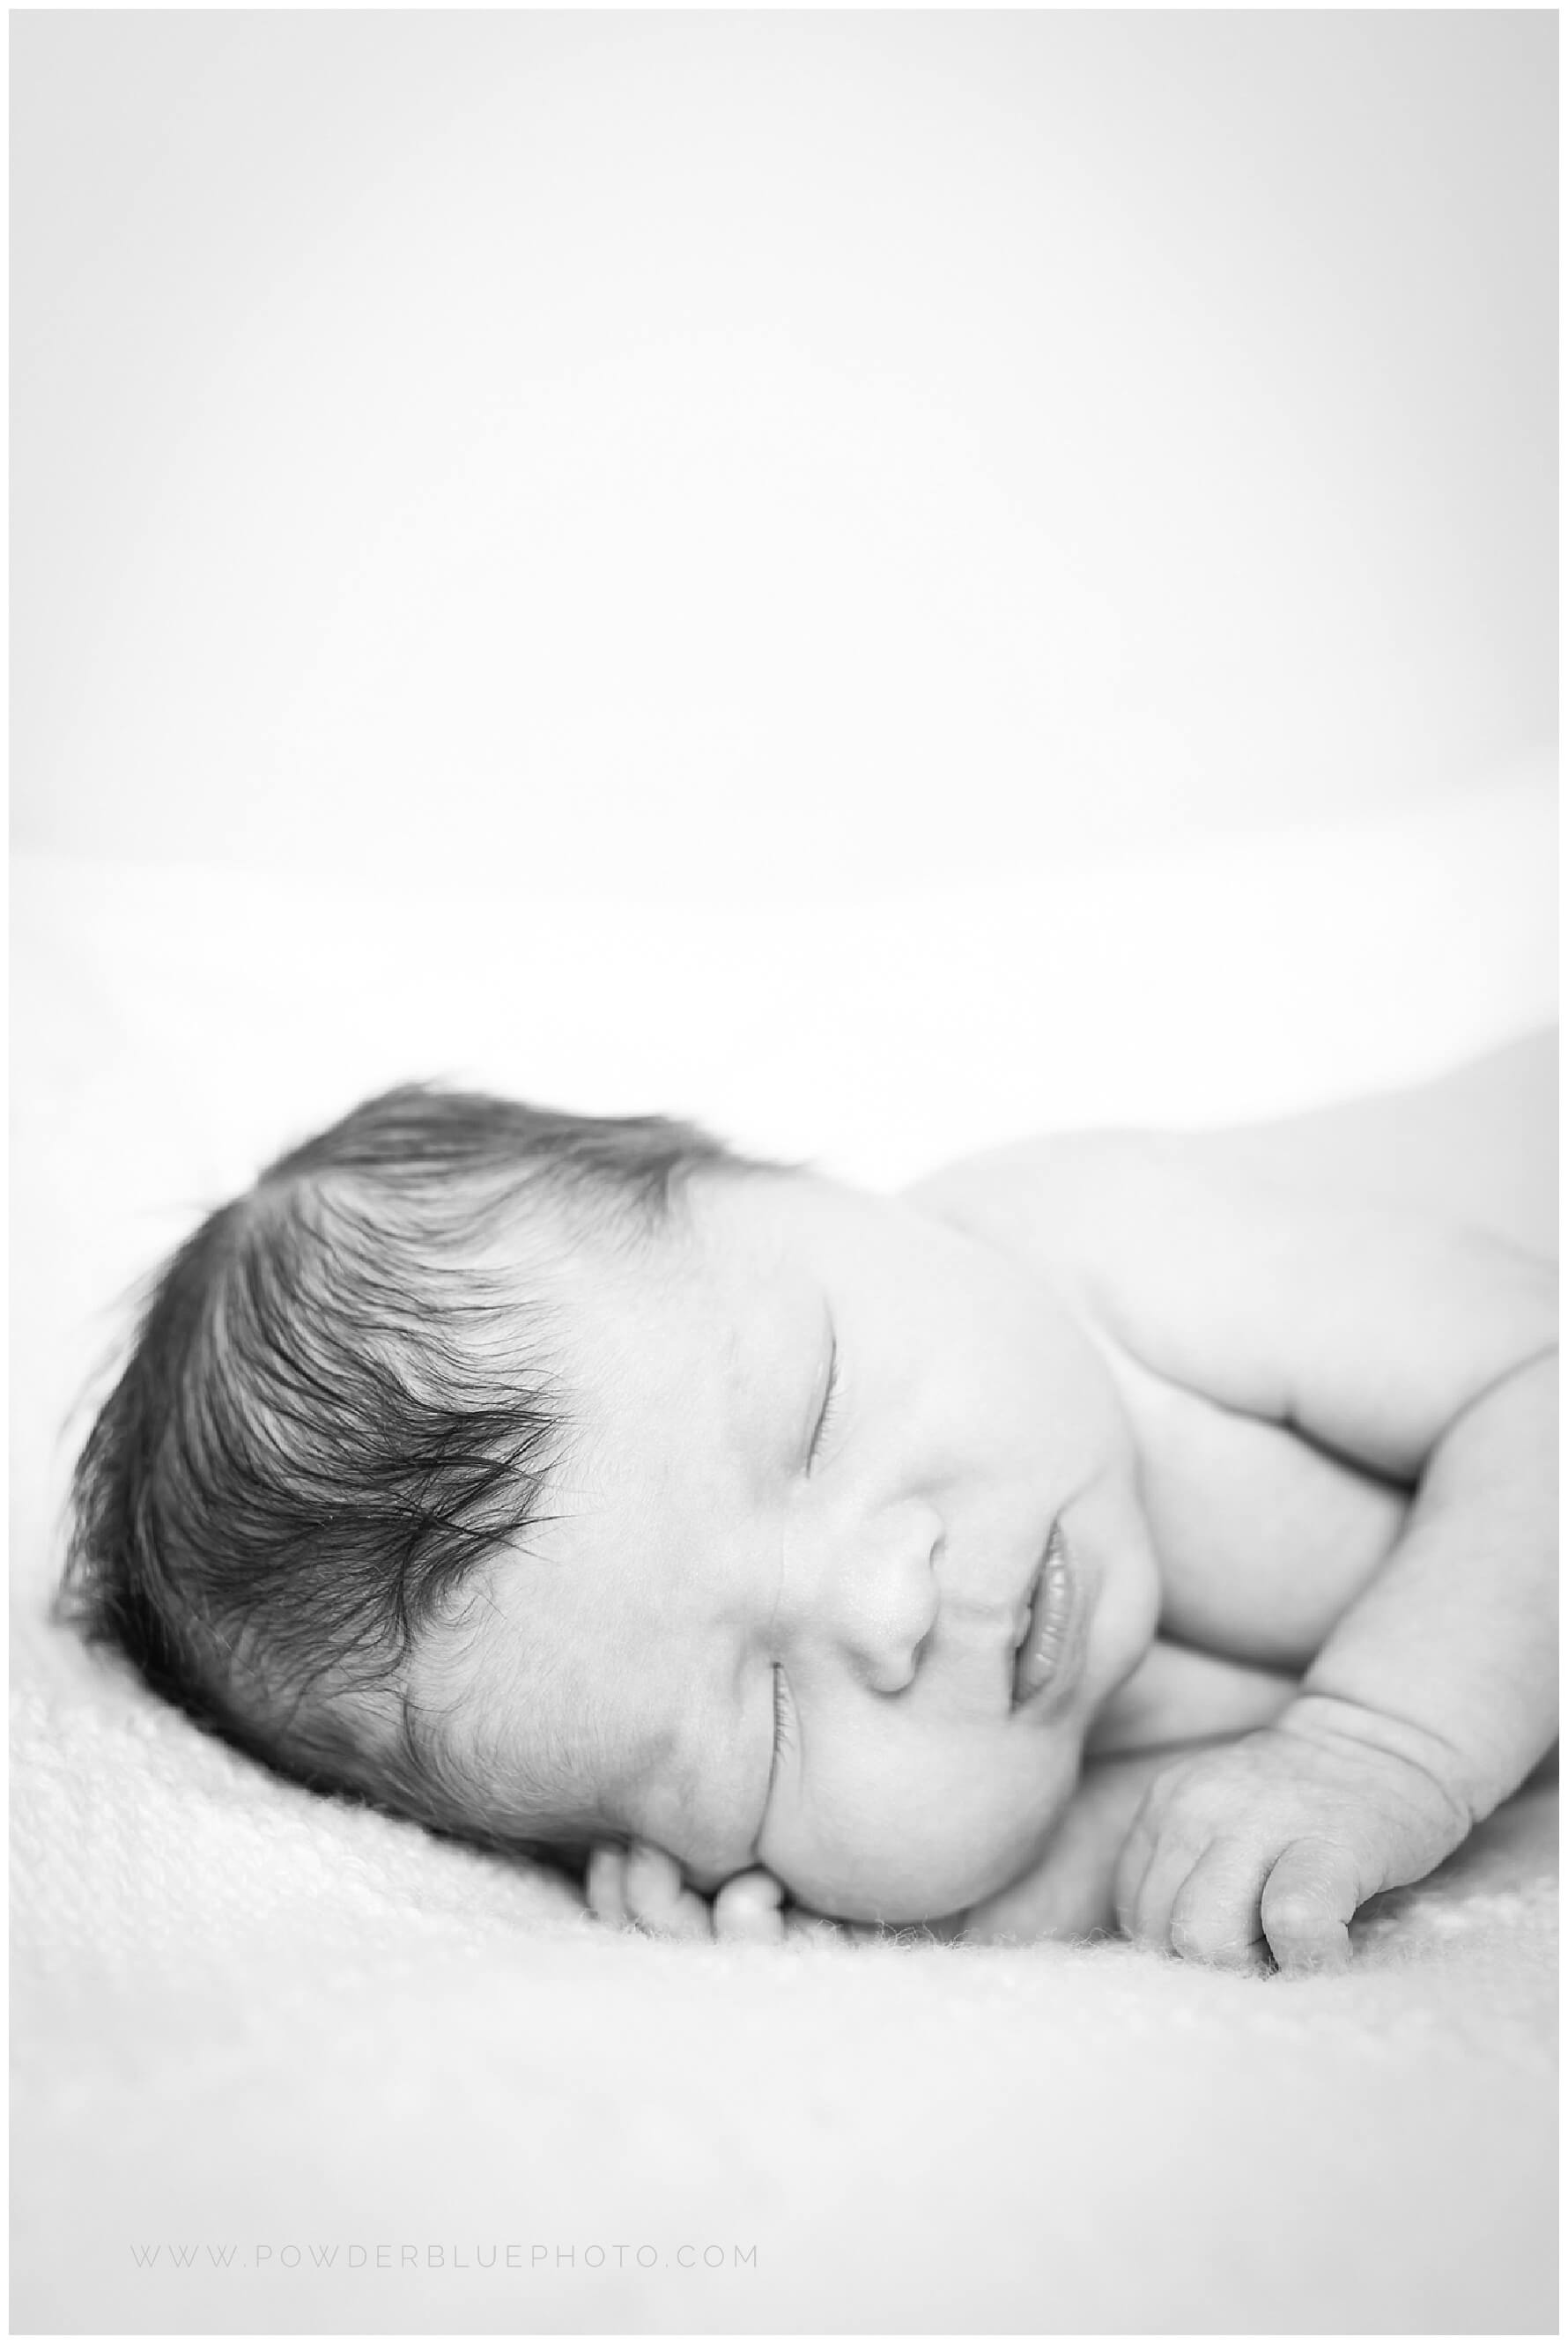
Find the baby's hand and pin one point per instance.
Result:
(1269, 1844)
(641, 1888)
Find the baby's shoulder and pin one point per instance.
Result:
(1092, 1208)
(1473, 1150)
(1048, 1181)
(1146, 1235)
(1325, 1269)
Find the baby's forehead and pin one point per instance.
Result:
(595, 1306)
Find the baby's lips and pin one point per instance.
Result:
(1052, 1642)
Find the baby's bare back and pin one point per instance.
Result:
(1478, 1147)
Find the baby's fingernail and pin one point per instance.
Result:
(1317, 1961)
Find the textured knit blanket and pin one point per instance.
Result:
(285, 2065)
(260, 2032)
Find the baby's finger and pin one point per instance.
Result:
(657, 1898)
(1214, 1914)
(1308, 1904)
(746, 1910)
(605, 1885)
(1131, 1871)
(1172, 1861)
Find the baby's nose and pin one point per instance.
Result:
(877, 1599)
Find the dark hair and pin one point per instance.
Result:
(315, 1441)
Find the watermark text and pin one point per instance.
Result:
(406, 2254)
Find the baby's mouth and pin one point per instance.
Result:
(1049, 1644)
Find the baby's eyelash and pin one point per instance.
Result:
(782, 1736)
(829, 1405)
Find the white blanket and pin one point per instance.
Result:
(284, 2066)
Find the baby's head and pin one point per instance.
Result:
(555, 1480)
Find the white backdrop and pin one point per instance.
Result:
(774, 453)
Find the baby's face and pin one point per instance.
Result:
(842, 1644)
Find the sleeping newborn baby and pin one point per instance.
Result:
(1111, 1528)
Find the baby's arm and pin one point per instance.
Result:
(1423, 1353)
(1430, 1700)
(1428, 1354)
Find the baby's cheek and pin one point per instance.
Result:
(918, 1843)
(898, 1884)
